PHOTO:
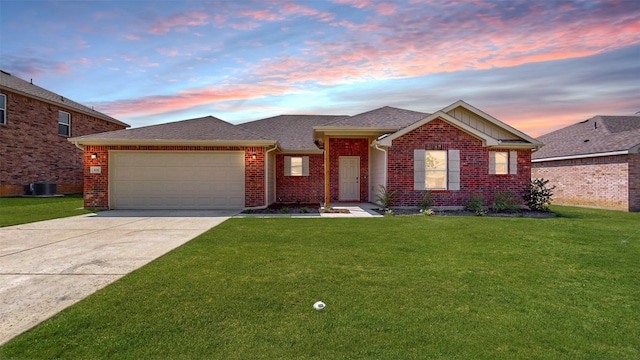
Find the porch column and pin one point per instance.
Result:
(327, 172)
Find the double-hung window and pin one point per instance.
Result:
(3, 109)
(296, 166)
(436, 169)
(503, 162)
(64, 123)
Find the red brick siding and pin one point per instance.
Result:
(306, 189)
(31, 149)
(96, 186)
(634, 182)
(348, 147)
(602, 182)
(474, 166)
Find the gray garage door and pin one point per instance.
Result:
(176, 180)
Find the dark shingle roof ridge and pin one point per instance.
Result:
(22, 86)
(200, 128)
(291, 116)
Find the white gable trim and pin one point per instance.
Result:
(486, 139)
(491, 119)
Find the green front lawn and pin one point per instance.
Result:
(395, 288)
(17, 210)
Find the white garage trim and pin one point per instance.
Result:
(176, 179)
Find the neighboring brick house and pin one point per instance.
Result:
(34, 127)
(206, 163)
(593, 163)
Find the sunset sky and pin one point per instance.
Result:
(536, 65)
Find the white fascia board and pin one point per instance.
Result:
(161, 142)
(473, 109)
(486, 139)
(352, 131)
(310, 151)
(582, 156)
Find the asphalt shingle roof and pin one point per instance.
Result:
(384, 117)
(204, 128)
(293, 132)
(599, 134)
(15, 84)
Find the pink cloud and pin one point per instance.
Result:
(189, 98)
(179, 22)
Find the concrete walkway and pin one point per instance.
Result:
(355, 210)
(49, 265)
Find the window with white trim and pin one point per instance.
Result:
(64, 123)
(503, 162)
(3, 109)
(296, 166)
(436, 169)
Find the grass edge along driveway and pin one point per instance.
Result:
(395, 288)
(17, 210)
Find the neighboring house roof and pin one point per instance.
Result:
(203, 131)
(598, 136)
(17, 85)
(294, 132)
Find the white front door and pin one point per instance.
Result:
(349, 178)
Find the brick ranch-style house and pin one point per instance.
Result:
(207, 163)
(594, 163)
(34, 127)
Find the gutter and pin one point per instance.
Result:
(78, 145)
(583, 156)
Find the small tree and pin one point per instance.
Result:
(384, 196)
(539, 195)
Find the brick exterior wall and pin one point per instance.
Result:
(31, 149)
(305, 189)
(348, 147)
(610, 182)
(634, 182)
(474, 167)
(96, 186)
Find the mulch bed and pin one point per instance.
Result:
(518, 213)
(295, 208)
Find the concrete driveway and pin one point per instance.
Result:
(49, 265)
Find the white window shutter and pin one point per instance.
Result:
(419, 171)
(287, 166)
(453, 159)
(305, 166)
(492, 162)
(513, 162)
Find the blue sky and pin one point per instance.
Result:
(536, 65)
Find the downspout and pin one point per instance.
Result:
(266, 176)
(375, 146)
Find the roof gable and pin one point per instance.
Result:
(597, 135)
(475, 122)
(17, 85)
